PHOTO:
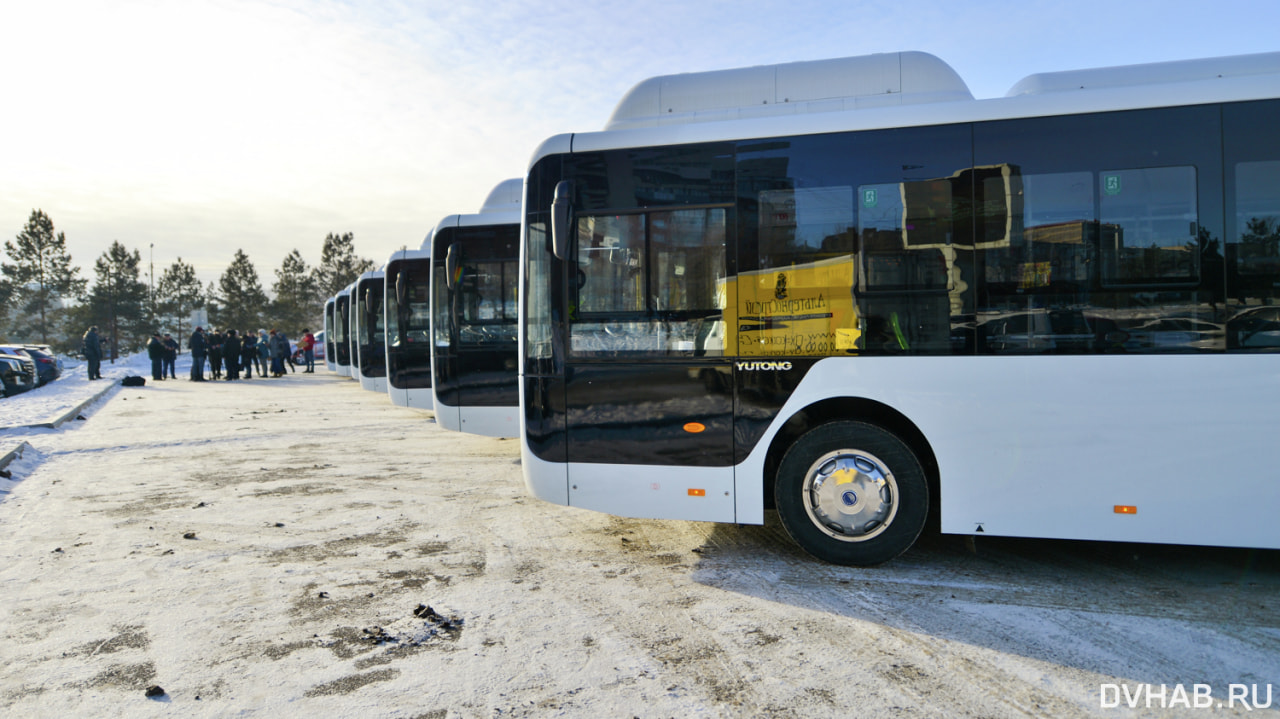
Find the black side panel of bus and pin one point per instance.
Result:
(544, 418)
(660, 414)
(409, 366)
(761, 394)
(490, 379)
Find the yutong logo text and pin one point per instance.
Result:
(756, 366)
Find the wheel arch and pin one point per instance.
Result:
(859, 409)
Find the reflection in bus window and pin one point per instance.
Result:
(1257, 249)
(1150, 224)
(1052, 228)
(800, 301)
(1258, 218)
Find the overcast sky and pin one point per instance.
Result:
(207, 126)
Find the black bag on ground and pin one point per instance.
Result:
(133, 380)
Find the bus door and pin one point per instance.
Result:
(408, 328)
(647, 380)
(482, 346)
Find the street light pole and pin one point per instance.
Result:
(151, 289)
(111, 285)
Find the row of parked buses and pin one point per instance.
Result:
(848, 291)
(435, 328)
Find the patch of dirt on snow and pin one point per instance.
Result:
(348, 684)
(129, 676)
(306, 490)
(412, 579)
(126, 637)
(151, 504)
(344, 547)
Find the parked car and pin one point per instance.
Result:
(48, 366)
(17, 373)
(1257, 328)
(1057, 331)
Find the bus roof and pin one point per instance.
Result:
(1157, 73)
(896, 78)
(1183, 82)
(505, 197)
(501, 207)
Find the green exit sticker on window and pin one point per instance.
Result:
(870, 197)
(1111, 184)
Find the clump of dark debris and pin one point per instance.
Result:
(412, 634)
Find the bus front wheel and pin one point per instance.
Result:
(852, 493)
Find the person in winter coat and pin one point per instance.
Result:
(263, 358)
(231, 355)
(198, 348)
(155, 351)
(279, 345)
(249, 355)
(215, 340)
(167, 367)
(91, 346)
(308, 346)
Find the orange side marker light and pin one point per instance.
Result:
(697, 493)
(695, 427)
(1126, 509)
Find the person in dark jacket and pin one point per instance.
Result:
(91, 346)
(198, 348)
(155, 350)
(215, 353)
(231, 355)
(169, 365)
(249, 354)
(279, 346)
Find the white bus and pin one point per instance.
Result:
(330, 352)
(408, 317)
(475, 278)
(849, 291)
(342, 331)
(368, 333)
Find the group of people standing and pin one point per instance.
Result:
(163, 352)
(242, 352)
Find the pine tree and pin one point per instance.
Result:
(117, 302)
(213, 306)
(6, 301)
(240, 295)
(179, 293)
(339, 265)
(296, 305)
(42, 274)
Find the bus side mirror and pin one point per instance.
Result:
(560, 219)
(451, 260)
(402, 288)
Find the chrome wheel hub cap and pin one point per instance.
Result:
(850, 495)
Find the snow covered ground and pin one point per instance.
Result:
(301, 547)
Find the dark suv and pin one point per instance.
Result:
(17, 373)
(48, 367)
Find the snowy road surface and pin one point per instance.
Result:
(300, 547)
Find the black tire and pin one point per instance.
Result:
(882, 503)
